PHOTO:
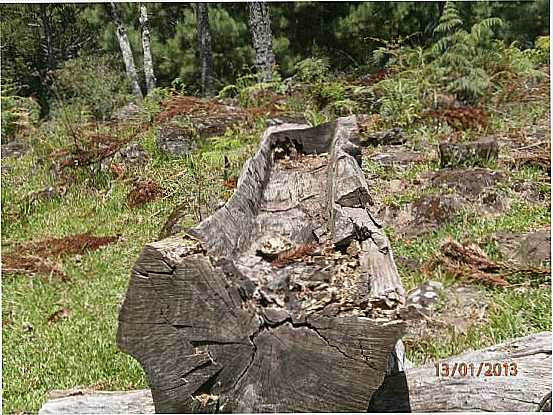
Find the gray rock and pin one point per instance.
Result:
(79, 401)
(133, 154)
(130, 111)
(15, 148)
(476, 153)
(398, 157)
(175, 141)
(469, 183)
(393, 136)
(531, 249)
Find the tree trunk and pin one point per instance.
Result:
(148, 62)
(204, 43)
(525, 389)
(47, 35)
(284, 300)
(126, 51)
(260, 27)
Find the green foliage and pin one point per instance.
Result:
(469, 65)
(250, 92)
(312, 69)
(93, 84)
(400, 100)
(18, 113)
(462, 57)
(541, 53)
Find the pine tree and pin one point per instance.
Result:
(126, 52)
(204, 45)
(148, 61)
(260, 27)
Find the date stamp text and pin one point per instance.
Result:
(463, 369)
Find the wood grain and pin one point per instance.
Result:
(219, 326)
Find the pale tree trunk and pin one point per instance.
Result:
(148, 62)
(47, 35)
(260, 27)
(126, 51)
(204, 42)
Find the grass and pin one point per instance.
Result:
(80, 350)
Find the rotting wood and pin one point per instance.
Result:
(219, 327)
(408, 389)
(427, 393)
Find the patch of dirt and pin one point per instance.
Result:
(143, 192)
(41, 257)
(460, 118)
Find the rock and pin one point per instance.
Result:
(393, 136)
(286, 119)
(470, 183)
(133, 154)
(476, 153)
(131, 111)
(423, 215)
(426, 296)
(175, 141)
(435, 210)
(389, 157)
(83, 401)
(15, 148)
(531, 249)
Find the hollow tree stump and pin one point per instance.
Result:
(285, 299)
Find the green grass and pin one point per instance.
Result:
(81, 349)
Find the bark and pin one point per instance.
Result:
(148, 61)
(284, 300)
(47, 35)
(204, 45)
(126, 52)
(408, 389)
(260, 27)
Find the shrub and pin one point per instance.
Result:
(93, 82)
(18, 113)
(312, 70)
(252, 93)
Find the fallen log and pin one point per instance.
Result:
(284, 300)
(405, 387)
(84, 401)
(524, 387)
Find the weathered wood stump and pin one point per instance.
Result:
(284, 300)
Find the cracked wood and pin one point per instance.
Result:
(219, 326)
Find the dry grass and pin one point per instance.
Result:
(468, 261)
(143, 192)
(460, 118)
(42, 257)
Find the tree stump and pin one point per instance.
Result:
(284, 300)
